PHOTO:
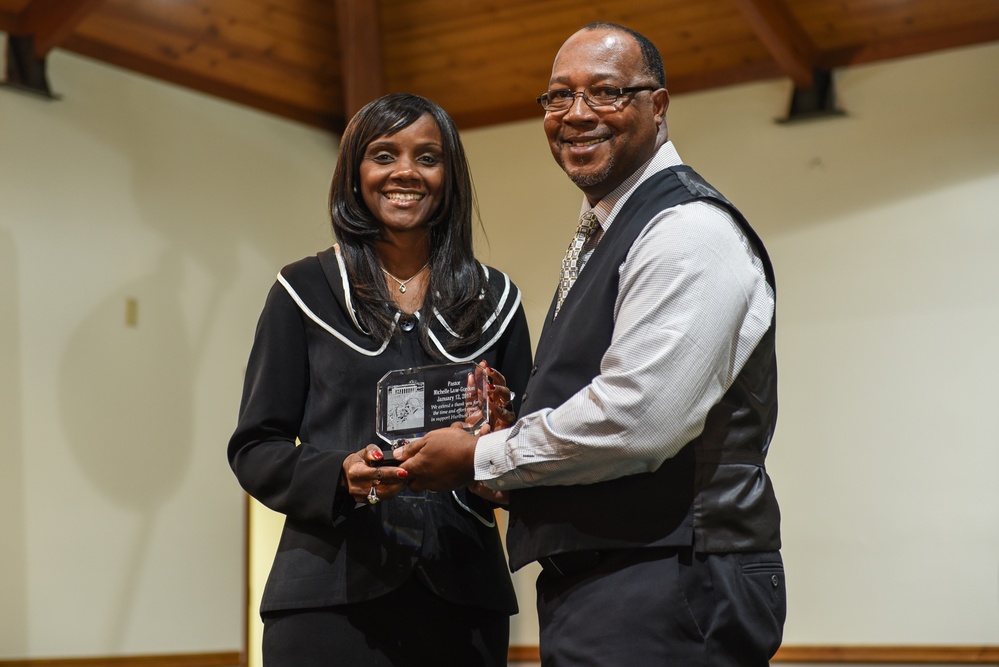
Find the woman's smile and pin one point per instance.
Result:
(402, 176)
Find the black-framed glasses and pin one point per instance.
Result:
(596, 97)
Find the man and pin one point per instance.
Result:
(636, 474)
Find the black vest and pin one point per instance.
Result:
(715, 494)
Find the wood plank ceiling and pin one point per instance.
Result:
(485, 61)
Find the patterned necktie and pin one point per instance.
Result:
(588, 224)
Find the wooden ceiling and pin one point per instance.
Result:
(485, 61)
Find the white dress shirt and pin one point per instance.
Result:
(693, 304)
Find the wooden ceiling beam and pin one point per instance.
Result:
(360, 53)
(50, 22)
(981, 32)
(785, 39)
(165, 71)
(8, 22)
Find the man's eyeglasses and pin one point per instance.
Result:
(595, 98)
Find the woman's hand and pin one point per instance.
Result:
(501, 414)
(368, 480)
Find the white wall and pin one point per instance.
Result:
(121, 522)
(882, 226)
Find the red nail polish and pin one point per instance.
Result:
(403, 473)
(492, 386)
(377, 455)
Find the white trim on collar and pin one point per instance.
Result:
(345, 284)
(487, 344)
(501, 303)
(339, 336)
(492, 318)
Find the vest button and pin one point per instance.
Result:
(407, 322)
(534, 371)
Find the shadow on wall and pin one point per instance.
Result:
(132, 385)
(13, 543)
(132, 439)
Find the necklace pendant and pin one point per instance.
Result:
(402, 283)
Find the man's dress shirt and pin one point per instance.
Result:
(692, 306)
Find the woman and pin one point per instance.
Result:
(368, 572)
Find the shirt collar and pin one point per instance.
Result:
(607, 208)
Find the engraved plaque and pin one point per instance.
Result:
(413, 401)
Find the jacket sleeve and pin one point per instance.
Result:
(294, 479)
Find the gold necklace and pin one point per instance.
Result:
(403, 283)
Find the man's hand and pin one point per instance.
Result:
(441, 460)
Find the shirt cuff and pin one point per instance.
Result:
(491, 460)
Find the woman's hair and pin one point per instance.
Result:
(457, 283)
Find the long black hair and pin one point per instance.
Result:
(457, 286)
